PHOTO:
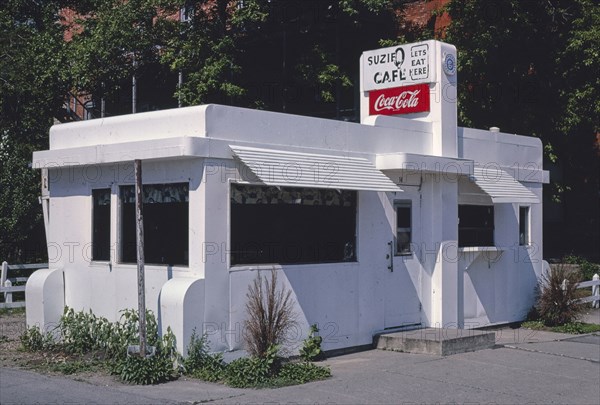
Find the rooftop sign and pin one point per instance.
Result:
(399, 100)
(398, 66)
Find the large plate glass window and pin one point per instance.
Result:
(403, 227)
(292, 225)
(101, 224)
(475, 225)
(166, 223)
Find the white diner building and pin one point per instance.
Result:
(402, 219)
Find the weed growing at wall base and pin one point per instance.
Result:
(82, 341)
(265, 371)
(85, 342)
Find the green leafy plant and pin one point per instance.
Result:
(252, 371)
(33, 339)
(270, 315)
(557, 296)
(577, 328)
(200, 363)
(311, 346)
(81, 333)
(301, 373)
(160, 367)
(535, 325)
(586, 268)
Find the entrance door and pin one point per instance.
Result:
(402, 304)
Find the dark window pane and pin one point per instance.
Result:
(292, 225)
(523, 225)
(403, 227)
(166, 224)
(403, 216)
(476, 225)
(101, 224)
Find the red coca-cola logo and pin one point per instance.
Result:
(399, 100)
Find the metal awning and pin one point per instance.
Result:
(297, 169)
(502, 187)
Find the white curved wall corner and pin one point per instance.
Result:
(447, 291)
(182, 309)
(45, 298)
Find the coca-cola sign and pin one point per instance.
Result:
(399, 100)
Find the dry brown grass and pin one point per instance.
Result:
(270, 314)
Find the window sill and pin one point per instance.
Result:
(278, 266)
(491, 254)
(472, 249)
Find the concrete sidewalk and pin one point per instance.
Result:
(533, 367)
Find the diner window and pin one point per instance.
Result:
(292, 225)
(101, 224)
(524, 226)
(166, 223)
(475, 225)
(403, 227)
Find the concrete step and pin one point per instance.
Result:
(436, 341)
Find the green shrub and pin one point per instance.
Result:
(577, 328)
(82, 332)
(252, 371)
(587, 268)
(200, 363)
(33, 339)
(300, 373)
(535, 325)
(161, 367)
(139, 370)
(556, 302)
(311, 346)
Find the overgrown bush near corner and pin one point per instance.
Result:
(83, 333)
(556, 301)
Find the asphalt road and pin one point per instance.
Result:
(533, 367)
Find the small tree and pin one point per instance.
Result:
(557, 296)
(270, 315)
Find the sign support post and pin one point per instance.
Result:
(139, 220)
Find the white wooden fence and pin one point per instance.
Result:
(6, 283)
(595, 284)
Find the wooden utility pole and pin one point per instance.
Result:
(139, 219)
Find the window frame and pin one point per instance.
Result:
(403, 204)
(235, 266)
(525, 225)
(491, 230)
(120, 225)
(93, 223)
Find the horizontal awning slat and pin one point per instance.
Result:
(502, 187)
(298, 169)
